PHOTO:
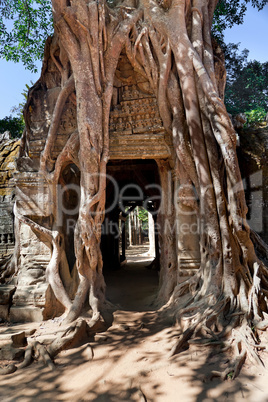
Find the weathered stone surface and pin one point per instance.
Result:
(26, 314)
(253, 162)
(6, 293)
(136, 129)
(34, 295)
(19, 339)
(7, 352)
(4, 312)
(8, 153)
(14, 339)
(9, 149)
(5, 136)
(148, 146)
(10, 342)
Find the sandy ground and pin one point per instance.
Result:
(129, 361)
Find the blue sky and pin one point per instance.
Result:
(253, 35)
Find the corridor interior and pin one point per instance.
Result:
(129, 270)
(134, 286)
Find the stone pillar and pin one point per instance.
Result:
(188, 248)
(151, 235)
(187, 241)
(139, 236)
(129, 229)
(166, 233)
(134, 227)
(156, 242)
(123, 221)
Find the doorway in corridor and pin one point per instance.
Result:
(129, 240)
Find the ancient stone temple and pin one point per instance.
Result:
(142, 171)
(141, 156)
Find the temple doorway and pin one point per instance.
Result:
(129, 244)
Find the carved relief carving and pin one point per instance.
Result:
(136, 113)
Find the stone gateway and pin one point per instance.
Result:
(131, 92)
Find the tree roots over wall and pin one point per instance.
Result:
(169, 43)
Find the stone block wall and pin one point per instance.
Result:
(253, 162)
(9, 149)
(32, 299)
(25, 296)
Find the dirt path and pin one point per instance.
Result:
(129, 362)
(134, 286)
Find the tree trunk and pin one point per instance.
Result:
(168, 42)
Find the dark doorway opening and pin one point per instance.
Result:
(133, 190)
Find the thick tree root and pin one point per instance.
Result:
(218, 326)
(169, 43)
(260, 246)
(45, 356)
(78, 333)
(73, 335)
(232, 370)
(9, 369)
(28, 357)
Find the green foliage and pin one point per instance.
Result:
(142, 214)
(230, 375)
(231, 12)
(13, 124)
(235, 60)
(24, 28)
(143, 217)
(18, 110)
(25, 25)
(255, 116)
(247, 81)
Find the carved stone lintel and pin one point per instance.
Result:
(136, 112)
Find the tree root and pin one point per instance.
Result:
(182, 341)
(28, 357)
(73, 335)
(9, 369)
(52, 271)
(43, 353)
(76, 334)
(239, 336)
(232, 371)
(260, 246)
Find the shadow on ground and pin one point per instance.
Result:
(130, 361)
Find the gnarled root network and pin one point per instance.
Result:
(37, 348)
(220, 325)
